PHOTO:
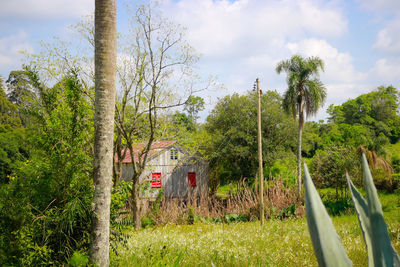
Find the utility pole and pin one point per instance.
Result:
(260, 162)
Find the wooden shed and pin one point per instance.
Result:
(171, 170)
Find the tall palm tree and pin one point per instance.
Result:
(305, 93)
(105, 55)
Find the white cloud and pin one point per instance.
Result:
(244, 39)
(387, 71)
(10, 48)
(45, 9)
(224, 28)
(340, 77)
(338, 66)
(388, 39)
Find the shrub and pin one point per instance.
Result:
(79, 259)
(147, 222)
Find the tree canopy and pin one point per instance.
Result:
(232, 125)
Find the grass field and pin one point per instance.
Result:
(278, 243)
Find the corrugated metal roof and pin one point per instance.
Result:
(155, 147)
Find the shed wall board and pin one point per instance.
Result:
(174, 174)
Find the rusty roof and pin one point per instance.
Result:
(155, 147)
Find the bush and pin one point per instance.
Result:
(45, 209)
(234, 218)
(79, 259)
(328, 167)
(147, 222)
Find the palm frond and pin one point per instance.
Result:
(289, 101)
(315, 95)
(304, 87)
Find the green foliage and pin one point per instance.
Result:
(193, 106)
(284, 213)
(396, 163)
(234, 218)
(232, 126)
(79, 259)
(119, 197)
(120, 218)
(182, 120)
(12, 151)
(147, 222)
(376, 112)
(337, 207)
(284, 166)
(370, 121)
(46, 213)
(190, 215)
(329, 166)
(8, 110)
(304, 86)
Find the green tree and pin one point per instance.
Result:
(22, 93)
(11, 135)
(329, 167)
(45, 206)
(180, 119)
(305, 93)
(376, 111)
(8, 110)
(232, 126)
(193, 106)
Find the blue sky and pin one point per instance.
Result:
(241, 40)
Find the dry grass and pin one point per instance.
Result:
(279, 201)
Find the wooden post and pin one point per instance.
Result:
(260, 162)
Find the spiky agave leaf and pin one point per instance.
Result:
(361, 207)
(327, 246)
(382, 248)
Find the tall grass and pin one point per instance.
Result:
(278, 243)
(280, 201)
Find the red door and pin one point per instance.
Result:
(156, 180)
(192, 178)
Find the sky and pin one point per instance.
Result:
(239, 41)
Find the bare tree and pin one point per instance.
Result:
(155, 74)
(105, 82)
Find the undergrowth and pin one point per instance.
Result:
(277, 243)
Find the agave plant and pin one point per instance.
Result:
(326, 242)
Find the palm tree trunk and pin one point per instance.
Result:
(301, 123)
(105, 82)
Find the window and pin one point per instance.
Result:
(174, 154)
(192, 179)
(156, 180)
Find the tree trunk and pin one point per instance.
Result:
(105, 82)
(301, 122)
(120, 157)
(136, 203)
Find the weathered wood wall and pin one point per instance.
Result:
(174, 174)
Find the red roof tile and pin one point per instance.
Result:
(155, 147)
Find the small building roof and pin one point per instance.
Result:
(155, 147)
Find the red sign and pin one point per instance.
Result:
(192, 178)
(156, 180)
